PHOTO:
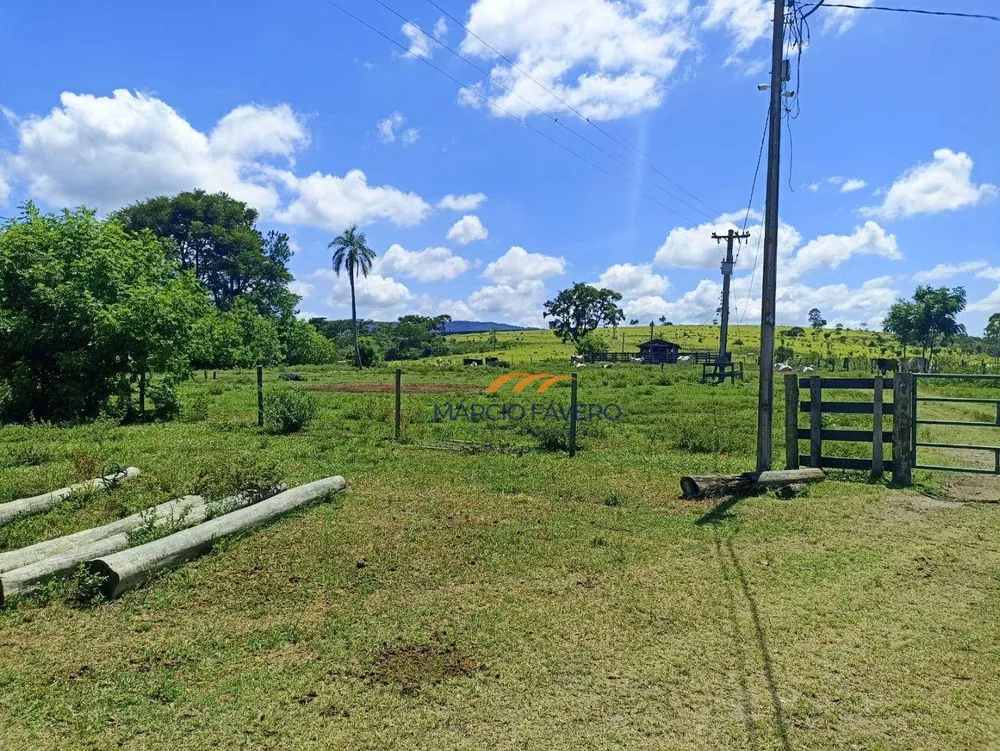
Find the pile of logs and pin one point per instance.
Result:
(196, 524)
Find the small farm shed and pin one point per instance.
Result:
(657, 351)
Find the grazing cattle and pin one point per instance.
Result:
(291, 377)
(684, 358)
(576, 358)
(808, 369)
(637, 359)
(581, 365)
(885, 364)
(916, 365)
(783, 367)
(606, 365)
(471, 361)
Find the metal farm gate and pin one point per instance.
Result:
(920, 378)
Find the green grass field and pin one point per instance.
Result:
(476, 587)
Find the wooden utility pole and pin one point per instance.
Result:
(727, 273)
(765, 398)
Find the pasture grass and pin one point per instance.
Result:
(477, 588)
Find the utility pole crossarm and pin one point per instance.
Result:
(727, 272)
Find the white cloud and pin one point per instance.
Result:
(990, 303)
(949, 270)
(106, 152)
(830, 251)
(441, 29)
(518, 265)
(334, 203)
(4, 189)
(606, 59)
(633, 281)
(468, 202)
(410, 136)
(420, 44)
(302, 289)
(467, 229)
(942, 185)
(250, 131)
(694, 248)
(387, 127)
(842, 19)
(991, 273)
(694, 306)
(377, 296)
(747, 20)
(109, 151)
(520, 303)
(846, 184)
(429, 265)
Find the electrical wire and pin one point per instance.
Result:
(956, 14)
(496, 105)
(753, 185)
(621, 143)
(534, 106)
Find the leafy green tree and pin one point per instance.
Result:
(369, 352)
(992, 335)
(352, 254)
(795, 332)
(413, 337)
(901, 321)
(216, 238)
(816, 319)
(236, 338)
(87, 309)
(592, 344)
(304, 345)
(577, 311)
(929, 318)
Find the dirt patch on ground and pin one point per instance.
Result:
(417, 665)
(976, 488)
(389, 388)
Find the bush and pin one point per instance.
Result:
(552, 435)
(197, 411)
(166, 403)
(287, 410)
(370, 352)
(243, 472)
(592, 344)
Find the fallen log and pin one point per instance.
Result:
(181, 513)
(127, 569)
(38, 503)
(191, 509)
(713, 485)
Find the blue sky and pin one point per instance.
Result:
(321, 123)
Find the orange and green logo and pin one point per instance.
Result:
(544, 380)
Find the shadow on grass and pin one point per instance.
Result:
(726, 556)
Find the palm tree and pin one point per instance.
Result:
(351, 253)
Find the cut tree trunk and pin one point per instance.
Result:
(37, 504)
(127, 569)
(714, 485)
(181, 513)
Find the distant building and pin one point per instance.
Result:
(659, 350)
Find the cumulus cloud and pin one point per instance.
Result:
(467, 202)
(302, 289)
(109, 151)
(844, 184)
(606, 59)
(390, 127)
(633, 281)
(429, 265)
(840, 20)
(944, 184)
(420, 43)
(378, 296)
(948, 270)
(441, 28)
(830, 251)
(106, 152)
(991, 273)
(852, 184)
(746, 20)
(519, 303)
(694, 248)
(335, 202)
(468, 229)
(518, 265)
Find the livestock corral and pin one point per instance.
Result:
(476, 583)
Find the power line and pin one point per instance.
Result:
(621, 143)
(956, 14)
(538, 109)
(495, 104)
(753, 185)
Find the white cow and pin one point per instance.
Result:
(808, 369)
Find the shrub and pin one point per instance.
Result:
(370, 352)
(197, 411)
(552, 435)
(287, 410)
(592, 344)
(166, 403)
(238, 473)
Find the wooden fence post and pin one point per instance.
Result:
(399, 399)
(815, 421)
(260, 396)
(902, 429)
(791, 421)
(877, 458)
(572, 418)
